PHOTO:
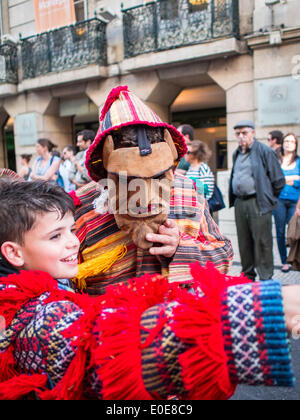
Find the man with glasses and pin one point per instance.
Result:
(256, 182)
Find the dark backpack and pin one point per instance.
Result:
(216, 203)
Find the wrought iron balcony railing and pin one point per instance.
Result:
(65, 48)
(166, 24)
(8, 63)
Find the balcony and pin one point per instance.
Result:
(65, 48)
(167, 24)
(8, 64)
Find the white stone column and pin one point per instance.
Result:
(44, 113)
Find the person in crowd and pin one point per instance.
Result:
(26, 169)
(68, 158)
(78, 172)
(144, 341)
(199, 171)
(46, 166)
(275, 142)
(150, 219)
(255, 185)
(188, 133)
(288, 199)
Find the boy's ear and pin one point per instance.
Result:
(12, 252)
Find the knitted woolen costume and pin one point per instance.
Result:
(144, 341)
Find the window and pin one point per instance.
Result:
(222, 9)
(169, 9)
(198, 5)
(81, 12)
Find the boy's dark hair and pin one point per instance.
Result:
(278, 135)
(23, 202)
(187, 129)
(87, 135)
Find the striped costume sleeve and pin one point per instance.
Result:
(255, 335)
(209, 246)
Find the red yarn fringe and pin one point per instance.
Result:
(17, 387)
(120, 353)
(76, 200)
(29, 285)
(197, 322)
(114, 95)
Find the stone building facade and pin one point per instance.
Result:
(210, 63)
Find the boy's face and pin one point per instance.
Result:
(52, 246)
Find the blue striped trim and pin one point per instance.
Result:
(106, 123)
(277, 342)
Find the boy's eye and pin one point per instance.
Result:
(57, 236)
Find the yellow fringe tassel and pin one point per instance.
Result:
(98, 265)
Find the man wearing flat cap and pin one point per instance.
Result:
(256, 182)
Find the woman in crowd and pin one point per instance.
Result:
(46, 166)
(199, 171)
(68, 157)
(288, 199)
(26, 168)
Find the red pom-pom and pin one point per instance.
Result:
(114, 94)
(76, 200)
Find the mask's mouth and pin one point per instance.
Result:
(143, 212)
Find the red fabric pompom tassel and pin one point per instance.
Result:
(114, 95)
(76, 200)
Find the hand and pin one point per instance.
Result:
(291, 301)
(290, 180)
(168, 236)
(78, 166)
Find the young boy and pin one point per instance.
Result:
(37, 229)
(144, 342)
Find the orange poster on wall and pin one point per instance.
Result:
(50, 14)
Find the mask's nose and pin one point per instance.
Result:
(143, 141)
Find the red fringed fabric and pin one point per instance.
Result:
(22, 385)
(114, 94)
(29, 285)
(197, 322)
(120, 354)
(115, 319)
(71, 386)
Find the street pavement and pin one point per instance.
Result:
(272, 393)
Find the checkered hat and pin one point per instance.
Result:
(122, 108)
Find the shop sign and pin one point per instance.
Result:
(278, 101)
(26, 129)
(51, 14)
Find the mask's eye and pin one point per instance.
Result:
(160, 177)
